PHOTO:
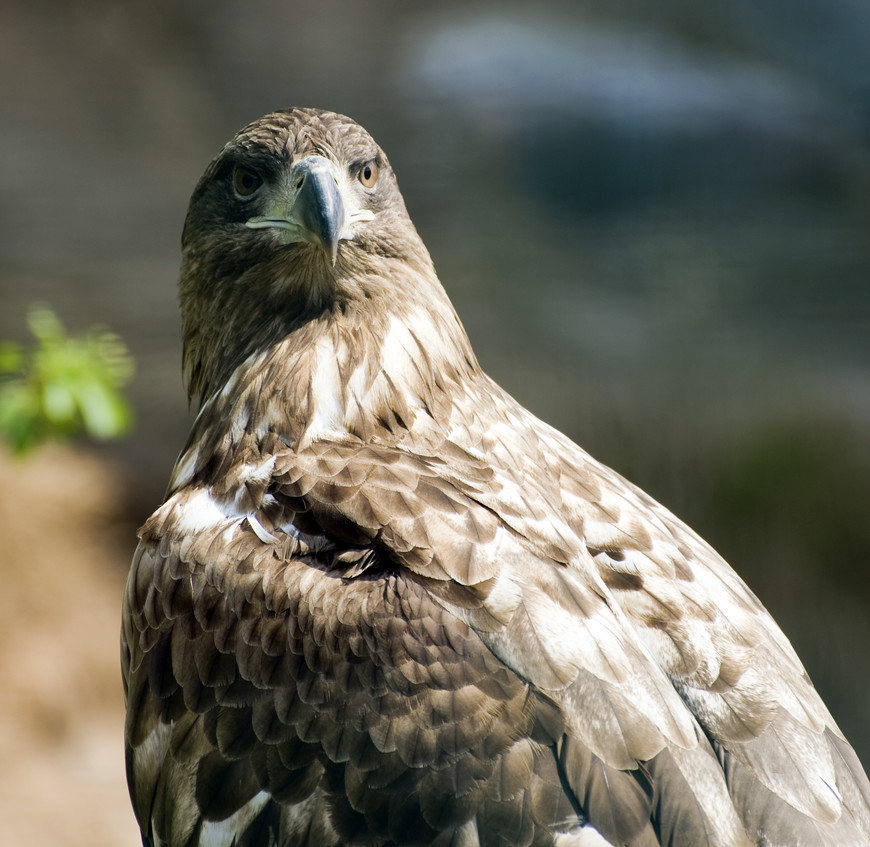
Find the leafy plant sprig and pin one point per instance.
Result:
(63, 385)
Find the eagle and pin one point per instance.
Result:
(384, 604)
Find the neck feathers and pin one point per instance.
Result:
(372, 377)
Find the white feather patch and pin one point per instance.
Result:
(252, 473)
(401, 346)
(398, 348)
(224, 833)
(585, 836)
(182, 474)
(327, 413)
(261, 532)
(199, 511)
(149, 755)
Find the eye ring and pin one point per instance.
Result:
(368, 174)
(246, 182)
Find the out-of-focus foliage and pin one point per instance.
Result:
(62, 386)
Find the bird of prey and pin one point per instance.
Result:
(383, 604)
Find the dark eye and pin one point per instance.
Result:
(368, 174)
(246, 181)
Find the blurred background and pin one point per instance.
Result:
(653, 219)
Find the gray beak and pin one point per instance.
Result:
(318, 206)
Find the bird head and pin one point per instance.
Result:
(298, 218)
(299, 186)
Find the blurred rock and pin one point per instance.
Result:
(608, 114)
(62, 562)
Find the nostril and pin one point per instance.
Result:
(299, 184)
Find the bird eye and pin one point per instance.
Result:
(368, 174)
(246, 182)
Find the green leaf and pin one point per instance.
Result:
(11, 357)
(104, 411)
(58, 402)
(63, 385)
(44, 324)
(19, 415)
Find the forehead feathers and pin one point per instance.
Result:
(296, 133)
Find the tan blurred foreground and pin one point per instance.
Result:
(63, 546)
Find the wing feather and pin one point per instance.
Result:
(353, 687)
(612, 620)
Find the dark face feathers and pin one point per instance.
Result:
(269, 148)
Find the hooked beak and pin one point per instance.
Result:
(316, 211)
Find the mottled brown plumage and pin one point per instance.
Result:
(383, 604)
